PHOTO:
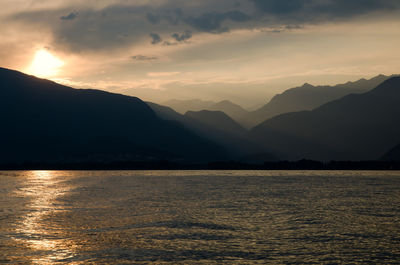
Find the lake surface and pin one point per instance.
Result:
(198, 217)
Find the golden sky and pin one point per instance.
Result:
(243, 50)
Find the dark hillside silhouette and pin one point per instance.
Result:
(217, 119)
(42, 120)
(393, 154)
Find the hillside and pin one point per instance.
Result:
(393, 154)
(217, 119)
(42, 120)
(231, 109)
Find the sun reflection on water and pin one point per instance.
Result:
(42, 189)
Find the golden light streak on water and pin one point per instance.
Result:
(42, 189)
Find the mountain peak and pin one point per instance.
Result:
(307, 85)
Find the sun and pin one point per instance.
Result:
(45, 64)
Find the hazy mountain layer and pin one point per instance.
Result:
(231, 109)
(217, 119)
(308, 97)
(216, 126)
(183, 106)
(355, 127)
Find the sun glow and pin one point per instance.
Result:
(45, 64)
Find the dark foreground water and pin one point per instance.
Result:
(198, 217)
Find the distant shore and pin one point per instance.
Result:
(218, 165)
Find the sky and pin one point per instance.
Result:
(241, 50)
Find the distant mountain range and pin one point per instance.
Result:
(355, 127)
(216, 119)
(231, 109)
(183, 106)
(308, 97)
(217, 127)
(42, 120)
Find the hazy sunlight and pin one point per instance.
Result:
(45, 64)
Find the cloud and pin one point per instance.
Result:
(117, 24)
(169, 43)
(306, 11)
(155, 38)
(182, 36)
(212, 21)
(143, 58)
(153, 19)
(70, 16)
(280, 7)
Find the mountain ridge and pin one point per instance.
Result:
(355, 127)
(45, 120)
(308, 97)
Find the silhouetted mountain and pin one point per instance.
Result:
(355, 127)
(233, 110)
(183, 106)
(393, 154)
(217, 127)
(44, 121)
(217, 119)
(308, 97)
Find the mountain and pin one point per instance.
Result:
(44, 121)
(217, 119)
(308, 97)
(233, 110)
(355, 127)
(217, 127)
(393, 154)
(183, 106)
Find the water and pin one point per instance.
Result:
(197, 217)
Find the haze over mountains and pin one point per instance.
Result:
(233, 110)
(215, 126)
(308, 97)
(42, 120)
(355, 127)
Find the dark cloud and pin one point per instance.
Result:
(305, 11)
(155, 38)
(70, 16)
(123, 24)
(282, 29)
(169, 43)
(182, 36)
(153, 19)
(212, 21)
(143, 58)
(279, 6)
